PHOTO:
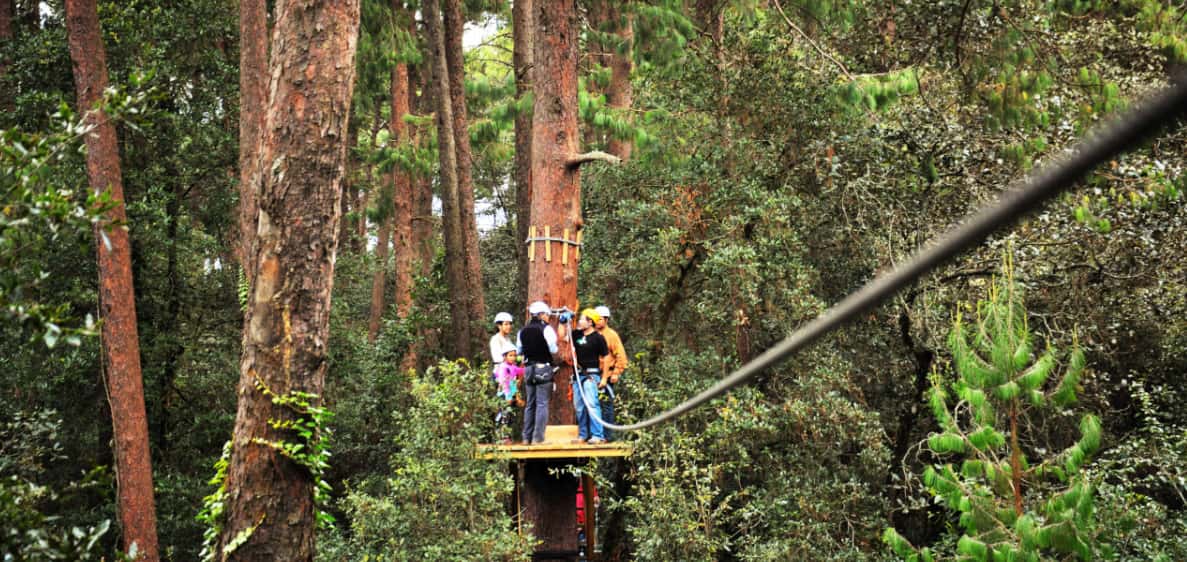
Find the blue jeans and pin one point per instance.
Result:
(587, 426)
(607, 406)
(535, 410)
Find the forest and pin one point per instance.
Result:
(251, 254)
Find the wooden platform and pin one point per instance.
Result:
(558, 444)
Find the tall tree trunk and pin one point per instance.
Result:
(379, 279)
(619, 95)
(348, 232)
(402, 179)
(475, 303)
(117, 303)
(362, 195)
(451, 220)
(253, 92)
(522, 29)
(423, 223)
(269, 510)
(556, 204)
(595, 55)
(383, 190)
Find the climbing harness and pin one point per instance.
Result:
(1147, 118)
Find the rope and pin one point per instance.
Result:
(1146, 119)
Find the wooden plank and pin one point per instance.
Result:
(532, 243)
(565, 248)
(548, 244)
(553, 452)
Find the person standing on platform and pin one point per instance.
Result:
(615, 365)
(500, 341)
(538, 342)
(507, 376)
(589, 352)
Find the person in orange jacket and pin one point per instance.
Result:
(614, 365)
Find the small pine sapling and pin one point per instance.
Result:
(988, 479)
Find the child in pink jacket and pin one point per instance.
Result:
(507, 375)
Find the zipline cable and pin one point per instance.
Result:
(1147, 118)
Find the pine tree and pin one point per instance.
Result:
(1010, 509)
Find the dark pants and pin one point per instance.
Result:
(608, 409)
(535, 411)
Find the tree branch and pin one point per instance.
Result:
(815, 45)
(592, 156)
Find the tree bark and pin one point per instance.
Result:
(555, 204)
(402, 179)
(619, 95)
(117, 303)
(253, 92)
(521, 59)
(423, 222)
(451, 216)
(475, 303)
(269, 510)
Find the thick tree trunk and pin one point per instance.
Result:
(556, 205)
(619, 95)
(402, 179)
(253, 93)
(117, 303)
(451, 216)
(556, 189)
(269, 509)
(521, 59)
(475, 303)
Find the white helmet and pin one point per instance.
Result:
(603, 311)
(539, 307)
(503, 317)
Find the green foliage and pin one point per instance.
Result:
(32, 530)
(1000, 381)
(213, 505)
(311, 446)
(30, 535)
(38, 212)
(437, 501)
(877, 92)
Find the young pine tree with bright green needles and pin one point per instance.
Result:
(1010, 509)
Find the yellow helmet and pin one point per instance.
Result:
(592, 315)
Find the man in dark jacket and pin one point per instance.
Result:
(538, 342)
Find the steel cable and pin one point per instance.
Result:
(1147, 118)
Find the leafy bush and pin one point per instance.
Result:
(438, 501)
